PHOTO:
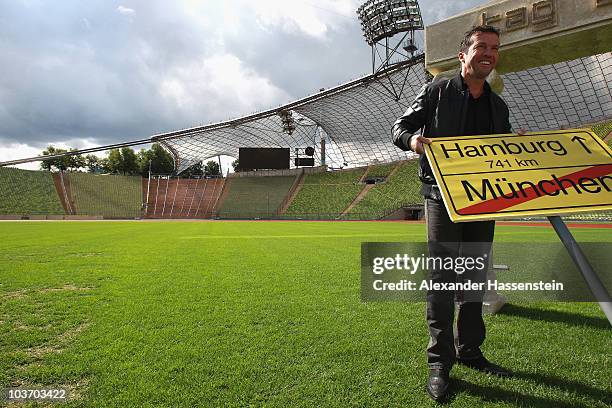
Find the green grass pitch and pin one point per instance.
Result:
(131, 314)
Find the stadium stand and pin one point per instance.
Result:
(380, 170)
(295, 187)
(393, 190)
(110, 196)
(401, 189)
(255, 197)
(182, 198)
(326, 195)
(603, 129)
(27, 192)
(62, 186)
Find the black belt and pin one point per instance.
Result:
(431, 191)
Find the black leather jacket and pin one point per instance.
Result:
(439, 110)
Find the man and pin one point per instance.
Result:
(461, 106)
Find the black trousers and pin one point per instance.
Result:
(448, 239)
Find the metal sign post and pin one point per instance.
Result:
(543, 173)
(589, 275)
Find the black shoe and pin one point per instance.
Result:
(485, 366)
(437, 385)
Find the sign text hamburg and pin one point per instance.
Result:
(504, 176)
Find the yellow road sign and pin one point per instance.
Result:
(505, 176)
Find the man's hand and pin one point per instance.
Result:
(521, 132)
(416, 144)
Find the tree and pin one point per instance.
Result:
(76, 162)
(93, 163)
(50, 164)
(123, 161)
(130, 161)
(161, 161)
(212, 168)
(114, 161)
(143, 162)
(194, 170)
(104, 164)
(63, 163)
(236, 165)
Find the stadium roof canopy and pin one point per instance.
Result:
(356, 117)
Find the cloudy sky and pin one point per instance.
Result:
(86, 73)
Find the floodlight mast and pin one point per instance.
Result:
(381, 22)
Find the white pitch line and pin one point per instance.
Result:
(298, 236)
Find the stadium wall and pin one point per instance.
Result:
(182, 198)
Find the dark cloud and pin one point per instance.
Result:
(91, 70)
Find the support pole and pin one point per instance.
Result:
(322, 151)
(146, 207)
(585, 268)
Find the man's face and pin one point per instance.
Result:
(481, 58)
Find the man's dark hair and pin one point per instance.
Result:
(467, 39)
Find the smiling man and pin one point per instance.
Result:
(460, 106)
